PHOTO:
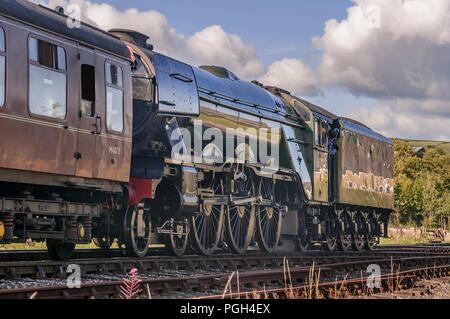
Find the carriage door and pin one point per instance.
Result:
(88, 126)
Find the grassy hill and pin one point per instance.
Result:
(430, 144)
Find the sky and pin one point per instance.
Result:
(383, 62)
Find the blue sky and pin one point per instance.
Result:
(382, 62)
(276, 29)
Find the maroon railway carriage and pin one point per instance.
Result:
(66, 126)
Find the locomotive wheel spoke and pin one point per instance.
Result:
(240, 220)
(371, 243)
(345, 242)
(331, 243)
(207, 224)
(268, 219)
(358, 242)
(137, 231)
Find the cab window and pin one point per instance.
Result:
(321, 130)
(114, 97)
(2, 67)
(47, 78)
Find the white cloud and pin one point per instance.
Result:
(292, 75)
(404, 63)
(406, 57)
(211, 45)
(407, 118)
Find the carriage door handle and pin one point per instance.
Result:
(98, 125)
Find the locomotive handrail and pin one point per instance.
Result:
(294, 140)
(181, 77)
(167, 103)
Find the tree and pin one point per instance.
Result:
(421, 186)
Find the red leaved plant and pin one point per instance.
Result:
(131, 286)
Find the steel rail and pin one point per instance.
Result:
(36, 255)
(120, 265)
(115, 264)
(165, 286)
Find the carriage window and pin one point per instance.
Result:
(114, 74)
(317, 130)
(114, 112)
(87, 90)
(47, 77)
(2, 68)
(61, 59)
(114, 97)
(321, 130)
(325, 130)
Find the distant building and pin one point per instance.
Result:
(418, 151)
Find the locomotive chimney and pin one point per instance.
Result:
(132, 36)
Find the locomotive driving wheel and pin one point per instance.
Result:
(269, 218)
(207, 223)
(59, 250)
(137, 230)
(240, 219)
(177, 242)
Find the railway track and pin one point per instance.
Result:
(90, 263)
(255, 270)
(390, 282)
(37, 255)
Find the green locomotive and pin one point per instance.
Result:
(242, 165)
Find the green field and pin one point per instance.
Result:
(430, 144)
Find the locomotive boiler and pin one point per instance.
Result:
(107, 139)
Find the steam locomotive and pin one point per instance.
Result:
(104, 139)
